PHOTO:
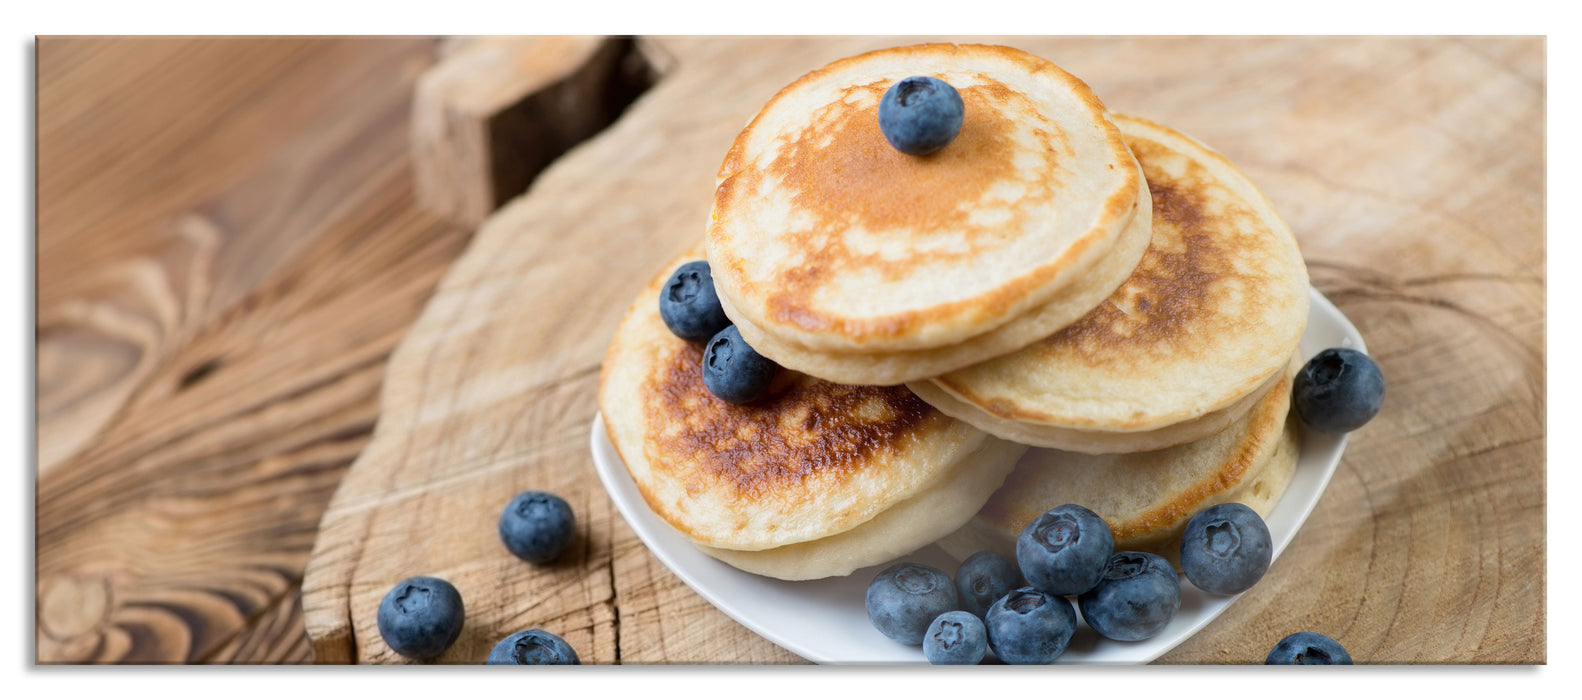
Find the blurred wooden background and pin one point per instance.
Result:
(230, 248)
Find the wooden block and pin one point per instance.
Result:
(496, 110)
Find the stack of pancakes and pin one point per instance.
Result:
(1063, 305)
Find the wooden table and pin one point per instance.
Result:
(230, 250)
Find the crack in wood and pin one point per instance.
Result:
(198, 373)
(1477, 50)
(1377, 278)
(1382, 287)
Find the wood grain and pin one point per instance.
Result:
(1411, 170)
(229, 248)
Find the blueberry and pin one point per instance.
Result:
(733, 371)
(1338, 391)
(984, 578)
(1138, 596)
(421, 617)
(689, 305)
(919, 115)
(1308, 649)
(537, 526)
(533, 647)
(1064, 551)
(1029, 626)
(904, 599)
(955, 638)
(1225, 549)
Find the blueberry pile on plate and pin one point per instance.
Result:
(1026, 611)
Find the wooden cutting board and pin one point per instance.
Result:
(1411, 170)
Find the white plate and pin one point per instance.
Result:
(824, 621)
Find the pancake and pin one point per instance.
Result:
(900, 530)
(1147, 497)
(1207, 319)
(826, 239)
(1092, 441)
(812, 460)
(914, 365)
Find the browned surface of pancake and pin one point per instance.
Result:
(1169, 300)
(1213, 310)
(846, 175)
(809, 460)
(805, 429)
(917, 216)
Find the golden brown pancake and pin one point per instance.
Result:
(812, 460)
(895, 367)
(828, 240)
(1208, 318)
(1147, 497)
(900, 530)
